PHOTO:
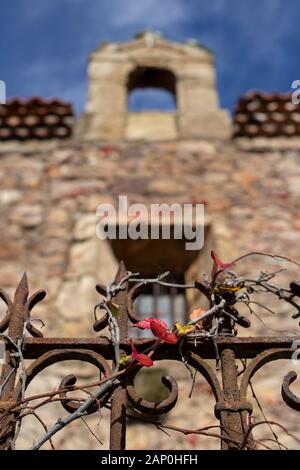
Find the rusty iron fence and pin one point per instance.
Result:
(232, 406)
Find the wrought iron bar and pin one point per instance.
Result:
(119, 397)
(232, 407)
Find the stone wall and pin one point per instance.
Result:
(50, 192)
(49, 195)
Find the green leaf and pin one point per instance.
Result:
(114, 308)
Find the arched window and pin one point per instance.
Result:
(151, 88)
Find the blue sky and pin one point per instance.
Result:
(45, 43)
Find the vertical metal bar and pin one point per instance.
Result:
(119, 397)
(186, 307)
(172, 308)
(18, 316)
(231, 421)
(138, 303)
(156, 294)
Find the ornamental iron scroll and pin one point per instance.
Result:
(209, 335)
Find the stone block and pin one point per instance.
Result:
(100, 126)
(76, 298)
(194, 97)
(206, 125)
(85, 226)
(167, 187)
(83, 258)
(151, 126)
(106, 97)
(28, 216)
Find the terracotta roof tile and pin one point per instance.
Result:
(35, 118)
(259, 114)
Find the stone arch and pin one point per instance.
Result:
(156, 77)
(149, 83)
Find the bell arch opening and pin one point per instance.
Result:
(151, 88)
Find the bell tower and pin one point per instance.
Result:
(185, 70)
